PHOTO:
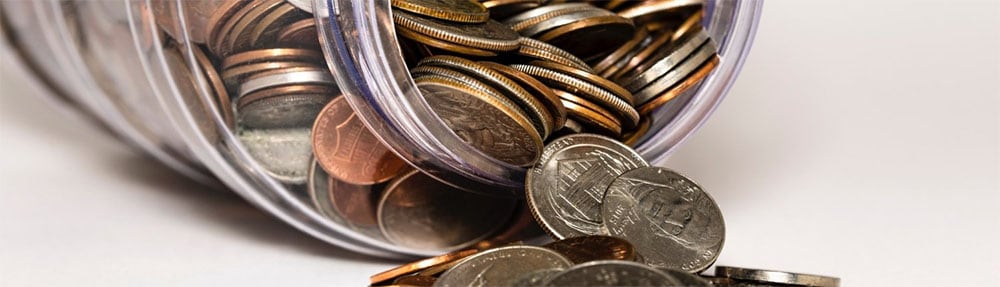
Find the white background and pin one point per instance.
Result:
(860, 141)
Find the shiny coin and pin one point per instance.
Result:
(655, 11)
(612, 273)
(502, 9)
(687, 279)
(218, 87)
(589, 78)
(415, 281)
(776, 277)
(687, 67)
(584, 89)
(417, 211)
(301, 34)
(535, 278)
(416, 266)
(286, 77)
(282, 107)
(443, 45)
(539, 50)
(566, 188)
(542, 11)
(272, 55)
(593, 248)
(671, 221)
(592, 116)
(348, 150)
(497, 129)
(285, 154)
(660, 64)
(681, 88)
(501, 266)
(491, 35)
(534, 87)
(590, 36)
(451, 10)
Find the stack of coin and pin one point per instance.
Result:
(617, 222)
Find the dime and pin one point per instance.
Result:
(420, 212)
(464, 11)
(776, 277)
(566, 188)
(497, 129)
(416, 266)
(593, 248)
(491, 35)
(285, 154)
(348, 150)
(501, 266)
(612, 273)
(687, 279)
(671, 221)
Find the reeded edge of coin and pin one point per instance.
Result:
(545, 51)
(688, 83)
(416, 266)
(424, 26)
(780, 277)
(590, 78)
(584, 89)
(443, 45)
(544, 93)
(461, 11)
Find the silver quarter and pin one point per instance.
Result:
(776, 277)
(671, 221)
(501, 266)
(565, 190)
(612, 273)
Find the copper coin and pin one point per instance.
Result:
(355, 203)
(417, 211)
(224, 105)
(620, 53)
(631, 138)
(347, 150)
(591, 36)
(594, 247)
(272, 55)
(415, 280)
(416, 266)
(301, 34)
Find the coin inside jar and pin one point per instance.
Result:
(348, 150)
(464, 11)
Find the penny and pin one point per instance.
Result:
(234, 76)
(301, 34)
(565, 190)
(265, 33)
(198, 14)
(240, 37)
(631, 138)
(681, 88)
(593, 248)
(415, 280)
(612, 273)
(221, 35)
(490, 35)
(416, 266)
(497, 129)
(687, 279)
(218, 87)
(776, 277)
(543, 93)
(464, 11)
(646, 73)
(347, 150)
(417, 211)
(671, 221)
(671, 78)
(539, 115)
(501, 266)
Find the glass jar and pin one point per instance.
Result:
(140, 68)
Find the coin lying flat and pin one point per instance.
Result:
(490, 35)
(612, 273)
(593, 248)
(501, 266)
(776, 277)
(452, 10)
(671, 221)
(566, 188)
(420, 212)
(416, 266)
(535, 278)
(348, 150)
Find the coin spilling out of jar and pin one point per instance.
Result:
(559, 87)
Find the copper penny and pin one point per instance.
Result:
(347, 150)
(355, 203)
(416, 266)
(594, 247)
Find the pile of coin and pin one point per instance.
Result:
(617, 222)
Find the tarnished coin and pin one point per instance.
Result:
(443, 45)
(622, 52)
(539, 50)
(502, 9)
(501, 266)
(612, 273)
(654, 11)
(301, 34)
(464, 11)
(671, 221)
(416, 266)
(776, 277)
(490, 35)
(535, 278)
(687, 279)
(590, 36)
(534, 87)
(417, 211)
(497, 129)
(594, 248)
(558, 80)
(646, 73)
(285, 154)
(348, 150)
(566, 188)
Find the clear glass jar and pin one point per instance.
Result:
(112, 61)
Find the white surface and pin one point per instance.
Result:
(861, 141)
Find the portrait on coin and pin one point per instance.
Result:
(677, 211)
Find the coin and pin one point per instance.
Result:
(218, 87)
(420, 212)
(646, 73)
(653, 11)
(197, 15)
(622, 51)
(502, 9)
(644, 52)
(415, 280)
(272, 55)
(589, 78)
(539, 50)
(443, 45)
(348, 150)
(490, 35)
(687, 279)
(497, 129)
(671, 221)
(285, 154)
(286, 77)
(776, 277)
(661, 84)
(566, 188)
(680, 88)
(282, 107)
(301, 34)
(611, 273)
(535, 278)
(592, 116)
(501, 266)
(632, 138)
(590, 36)
(322, 188)
(593, 248)
(412, 267)
(464, 11)
(543, 93)
(598, 95)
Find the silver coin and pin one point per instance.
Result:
(612, 273)
(417, 211)
(286, 154)
(561, 20)
(501, 266)
(663, 63)
(776, 277)
(536, 278)
(671, 221)
(285, 111)
(304, 5)
(685, 68)
(566, 188)
(687, 279)
(297, 77)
